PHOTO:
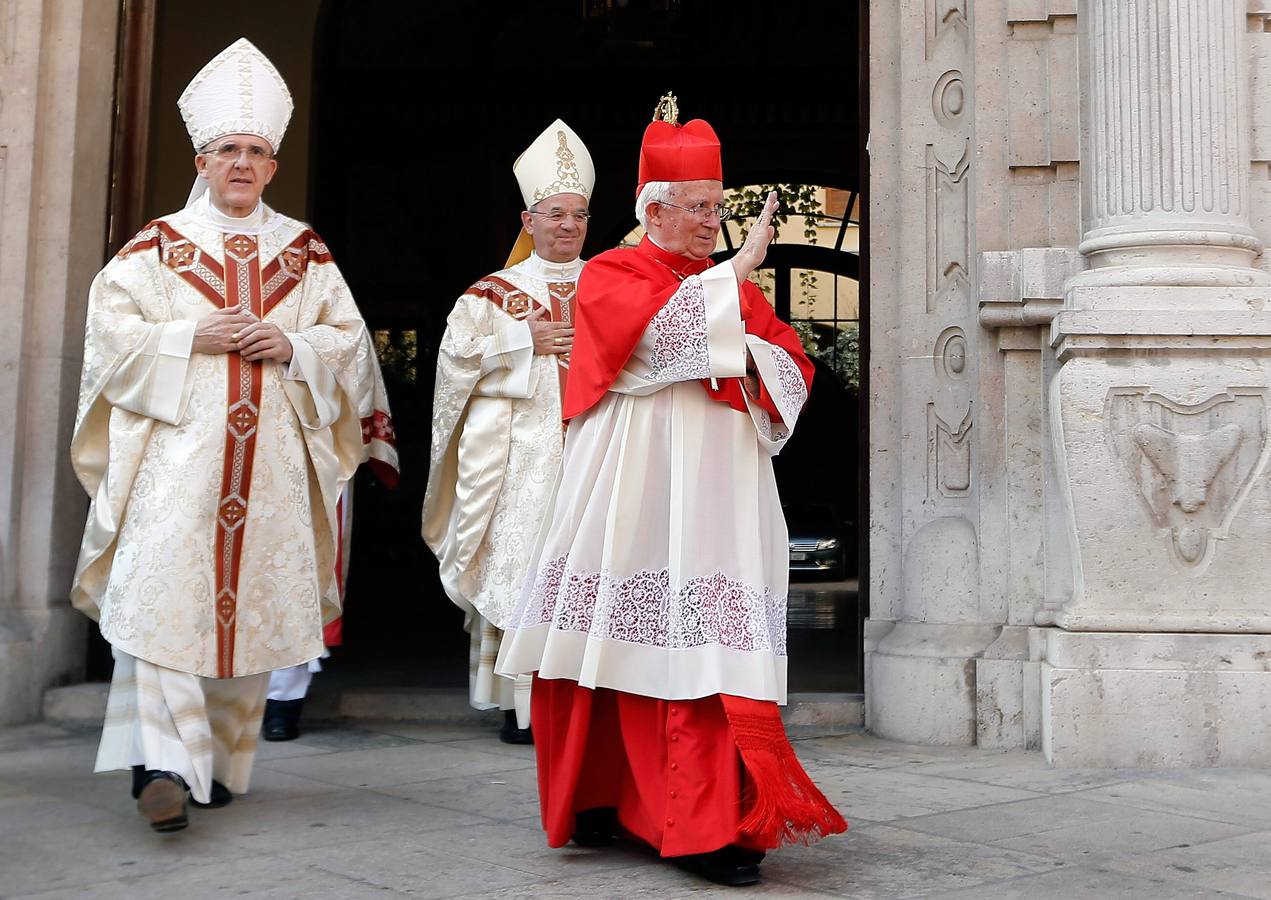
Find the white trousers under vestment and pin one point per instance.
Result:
(292, 683)
(485, 689)
(200, 728)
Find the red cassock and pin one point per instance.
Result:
(686, 775)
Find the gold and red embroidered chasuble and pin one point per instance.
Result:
(240, 281)
(518, 304)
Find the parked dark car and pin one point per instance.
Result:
(817, 540)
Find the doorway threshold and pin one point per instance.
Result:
(807, 714)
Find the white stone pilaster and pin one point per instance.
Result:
(57, 64)
(928, 619)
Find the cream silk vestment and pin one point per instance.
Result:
(614, 599)
(496, 451)
(211, 536)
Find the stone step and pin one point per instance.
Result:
(822, 713)
(79, 704)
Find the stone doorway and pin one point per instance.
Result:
(407, 118)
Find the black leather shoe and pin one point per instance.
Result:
(596, 827)
(219, 796)
(729, 866)
(282, 720)
(162, 801)
(510, 734)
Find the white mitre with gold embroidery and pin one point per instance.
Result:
(238, 92)
(556, 163)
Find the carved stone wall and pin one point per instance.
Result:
(1102, 467)
(1028, 214)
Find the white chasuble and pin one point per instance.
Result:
(496, 450)
(664, 568)
(210, 544)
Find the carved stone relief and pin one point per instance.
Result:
(949, 456)
(1194, 464)
(948, 226)
(944, 16)
(950, 356)
(948, 100)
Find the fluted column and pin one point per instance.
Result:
(1160, 407)
(1166, 155)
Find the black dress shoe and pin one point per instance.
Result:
(282, 720)
(219, 796)
(162, 801)
(596, 827)
(510, 734)
(729, 866)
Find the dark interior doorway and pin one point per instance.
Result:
(418, 112)
(408, 118)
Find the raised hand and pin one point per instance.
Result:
(753, 251)
(549, 337)
(217, 332)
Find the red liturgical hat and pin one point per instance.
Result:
(674, 152)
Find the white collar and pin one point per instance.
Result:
(545, 270)
(655, 243)
(258, 221)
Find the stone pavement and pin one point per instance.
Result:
(402, 809)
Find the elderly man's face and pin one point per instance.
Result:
(682, 231)
(558, 225)
(237, 168)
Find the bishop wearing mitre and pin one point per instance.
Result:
(229, 391)
(502, 367)
(653, 617)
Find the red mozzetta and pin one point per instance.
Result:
(619, 293)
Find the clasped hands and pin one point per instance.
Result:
(235, 330)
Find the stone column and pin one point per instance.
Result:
(1166, 192)
(1160, 405)
(57, 64)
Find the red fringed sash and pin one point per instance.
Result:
(781, 804)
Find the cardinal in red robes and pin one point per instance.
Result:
(654, 617)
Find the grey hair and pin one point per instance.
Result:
(653, 192)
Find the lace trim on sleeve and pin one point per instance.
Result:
(792, 390)
(679, 345)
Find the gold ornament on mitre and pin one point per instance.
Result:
(667, 110)
(556, 163)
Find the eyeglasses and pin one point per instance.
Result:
(703, 211)
(231, 153)
(557, 216)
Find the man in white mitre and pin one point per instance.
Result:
(654, 614)
(229, 392)
(497, 433)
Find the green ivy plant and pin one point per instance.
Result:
(397, 352)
